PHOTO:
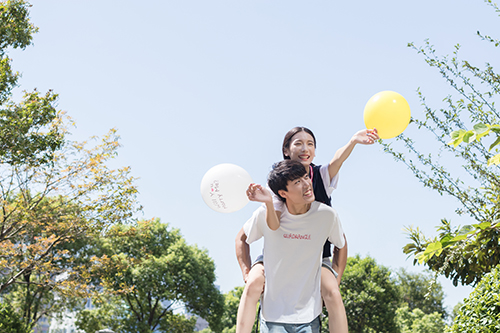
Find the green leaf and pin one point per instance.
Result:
(481, 128)
(457, 137)
(459, 238)
(457, 142)
(446, 240)
(497, 141)
(466, 230)
(420, 257)
(456, 134)
(495, 128)
(483, 225)
(433, 249)
(468, 136)
(495, 160)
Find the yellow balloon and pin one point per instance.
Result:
(388, 112)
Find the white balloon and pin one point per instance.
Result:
(224, 186)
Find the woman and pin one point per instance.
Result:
(300, 144)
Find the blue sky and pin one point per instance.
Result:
(192, 84)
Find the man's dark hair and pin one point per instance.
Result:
(282, 173)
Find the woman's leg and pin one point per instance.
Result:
(337, 319)
(248, 302)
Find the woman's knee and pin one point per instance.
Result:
(329, 288)
(256, 280)
(331, 295)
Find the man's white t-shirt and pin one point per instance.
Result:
(292, 260)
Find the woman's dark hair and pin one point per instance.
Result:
(289, 136)
(282, 173)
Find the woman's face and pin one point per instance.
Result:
(302, 148)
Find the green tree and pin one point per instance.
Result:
(231, 303)
(370, 296)
(153, 271)
(420, 291)
(54, 193)
(112, 312)
(28, 131)
(16, 31)
(480, 312)
(416, 321)
(456, 309)
(463, 254)
(479, 131)
(49, 212)
(10, 320)
(107, 313)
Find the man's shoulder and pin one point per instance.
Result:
(319, 206)
(257, 215)
(321, 210)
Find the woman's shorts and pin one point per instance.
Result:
(268, 327)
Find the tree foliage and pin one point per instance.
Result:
(28, 129)
(16, 31)
(231, 304)
(152, 270)
(54, 194)
(378, 300)
(463, 254)
(10, 320)
(370, 296)
(480, 312)
(104, 315)
(416, 321)
(420, 291)
(30, 132)
(111, 312)
(479, 131)
(49, 212)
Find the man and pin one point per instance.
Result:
(292, 252)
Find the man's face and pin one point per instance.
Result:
(299, 191)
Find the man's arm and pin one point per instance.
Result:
(340, 260)
(258, 193)
(243, 254)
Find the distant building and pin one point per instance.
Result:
(201, 324)
(66, 325)
(42, 326)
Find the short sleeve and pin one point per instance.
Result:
(278, 203)
(253, 228)
(336, 236)
(325, 175)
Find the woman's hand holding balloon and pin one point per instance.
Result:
(366, 136)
